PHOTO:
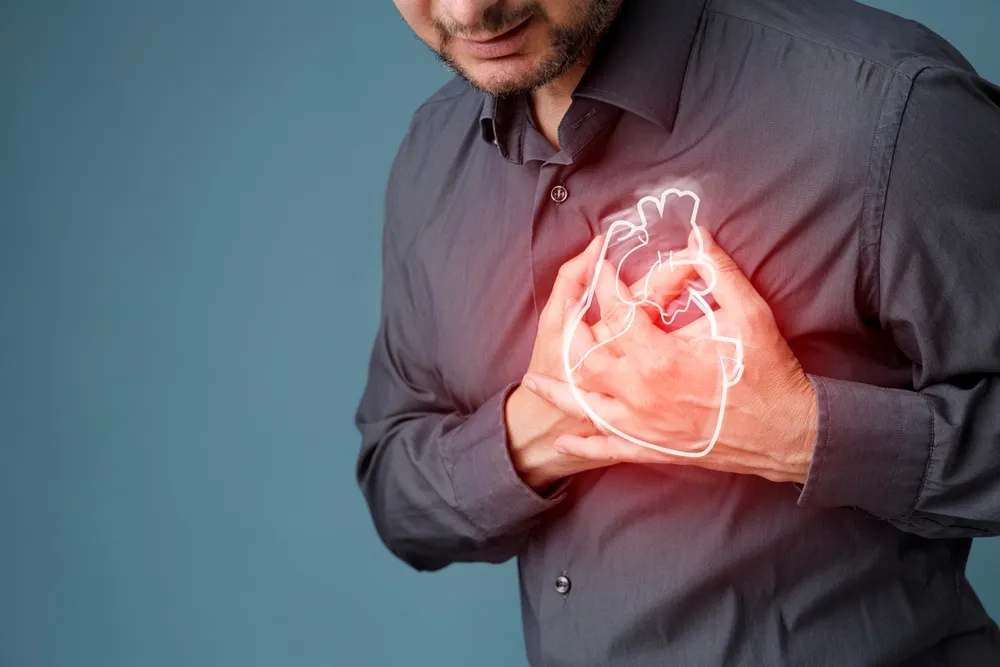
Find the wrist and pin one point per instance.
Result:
(533, 424)
(803, 431)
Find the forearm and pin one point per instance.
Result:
(533, 424)
(927, 461)
(442, 488)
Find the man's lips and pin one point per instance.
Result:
(500, 45)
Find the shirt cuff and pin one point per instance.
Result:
(487, 487)
(872, 448)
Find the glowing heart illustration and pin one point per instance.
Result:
(630, 240)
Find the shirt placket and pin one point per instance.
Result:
(561, 228)
(561, 225)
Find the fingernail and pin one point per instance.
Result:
(531, 385)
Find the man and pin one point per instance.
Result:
(848, 167)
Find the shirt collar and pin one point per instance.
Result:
(638, 66)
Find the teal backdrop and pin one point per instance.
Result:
(190, 216)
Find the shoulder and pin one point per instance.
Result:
(949, 138)
(436, 139)
(453, 109)
(900, 44)
(446, 116)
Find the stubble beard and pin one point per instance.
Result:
(568, 44)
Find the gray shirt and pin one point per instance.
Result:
(849, 162)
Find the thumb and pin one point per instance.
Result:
(572, 282)
(731, 289)
(607, 449)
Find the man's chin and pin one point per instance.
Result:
(506, 76)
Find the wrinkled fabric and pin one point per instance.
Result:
(849, 162)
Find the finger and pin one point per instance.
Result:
(577, 344)
(555, 392)
(703, 327)
(601, 331)
(571, 283)
(608, 449)
(664, 283)
(605, 337)
(560, 394)
(616, 314)
(599, 370)
(732, 290)
(623, 320)
(729, 349)
(664, 280)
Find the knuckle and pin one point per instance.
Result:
(661, 359)
(553, 317)
(594, 365)
(726, 265)
(758, 315)
(616, 312)
(567, 271)
(646, 371)
(546, 318)
(590, 366)
(648, 403)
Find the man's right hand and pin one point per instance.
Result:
(533, 423)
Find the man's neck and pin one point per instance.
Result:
(551, 102)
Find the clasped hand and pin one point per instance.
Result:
(660, 386)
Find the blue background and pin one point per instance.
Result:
(190, 215)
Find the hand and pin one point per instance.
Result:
(651, 384)
(534, 424)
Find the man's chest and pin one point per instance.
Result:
(490, 248)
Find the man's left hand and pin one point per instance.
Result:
(653, 385)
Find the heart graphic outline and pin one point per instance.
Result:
(695, 296)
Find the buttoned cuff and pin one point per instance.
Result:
(872, 448)
(487, 487)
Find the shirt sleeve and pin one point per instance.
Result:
(928, 458)
(439, 483)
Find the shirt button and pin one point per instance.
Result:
(562, 584)
(559, 194)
